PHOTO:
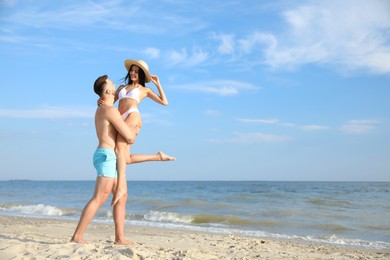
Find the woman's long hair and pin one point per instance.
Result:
(141, 77)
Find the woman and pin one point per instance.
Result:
(130, 96)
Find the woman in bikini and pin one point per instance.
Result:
(130, 96)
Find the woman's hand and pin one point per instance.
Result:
(100, 102)
(155, 79)
(161, 99)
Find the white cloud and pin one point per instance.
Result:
(359, 126)
(181, 57)
(347, 35)
(198, 56)
(40, 15)
(352, 34)
(8, 3)
(152, 53)
(15, 39)
(227, 43)
(259, 121)
(249, 43)
(219, 87)
(276, 121)
(175, 57)
(49, 113)
(314, 127)
(252, 138)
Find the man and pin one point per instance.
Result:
(108, 123)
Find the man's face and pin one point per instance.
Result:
(110, 86)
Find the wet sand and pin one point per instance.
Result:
(30, 238)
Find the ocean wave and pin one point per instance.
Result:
(329, 202)
(214, 223)
(38, 209)
(331, 239)
(221, 219)
(171, 217)
(197, 219)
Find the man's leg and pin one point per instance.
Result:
(103, 189)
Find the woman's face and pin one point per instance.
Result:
(134, 70)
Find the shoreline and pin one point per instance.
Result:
(26, 237)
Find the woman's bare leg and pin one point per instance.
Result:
(124, 157)
(138, 158)
(119, 220)
(122, 149)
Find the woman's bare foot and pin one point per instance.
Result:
(118, 195)
(164, 157)
(121, 190)
(126, 242)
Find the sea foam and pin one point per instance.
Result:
(38, 209)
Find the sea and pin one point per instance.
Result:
(351, 214)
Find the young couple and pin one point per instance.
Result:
(116, 131)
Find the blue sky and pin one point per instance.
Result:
(257, 90)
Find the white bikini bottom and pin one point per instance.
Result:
(127, 113)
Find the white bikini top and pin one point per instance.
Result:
(133, 94)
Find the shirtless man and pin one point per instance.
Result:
(108, 123)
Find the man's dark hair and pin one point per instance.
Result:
(99, 85)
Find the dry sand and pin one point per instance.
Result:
(29, 238)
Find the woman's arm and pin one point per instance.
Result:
(161, 99)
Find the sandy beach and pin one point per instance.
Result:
(30, 238)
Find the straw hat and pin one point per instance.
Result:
(140, 63)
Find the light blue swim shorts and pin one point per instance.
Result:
(104, 161)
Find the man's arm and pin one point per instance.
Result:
(115, 118)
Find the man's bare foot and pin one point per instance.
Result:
(164, 157)
(126, 242)
(118, 195)
(78, 241)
